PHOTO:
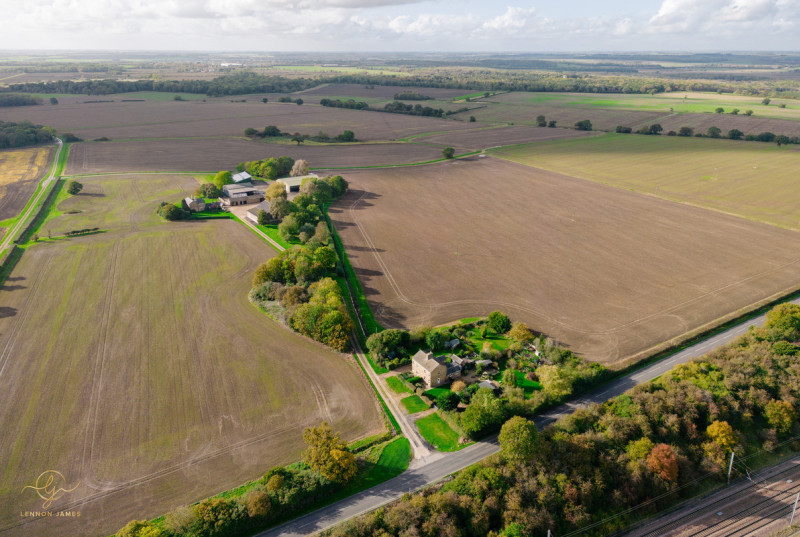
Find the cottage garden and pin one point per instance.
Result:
(491, 369)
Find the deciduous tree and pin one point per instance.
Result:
(663, 462)
(518, 438)
(74, 187)
(300, 168)
(328, 455)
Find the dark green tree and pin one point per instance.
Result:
(499, 322)
(73, 187)
(448, 152)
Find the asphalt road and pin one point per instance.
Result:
(23, 219)
(440, 465)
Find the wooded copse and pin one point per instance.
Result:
(296, 286)
(23, 134)
(646, 449)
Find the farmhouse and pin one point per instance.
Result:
(195, 205)
(434, 370)
(292, 184)
(252, 214)
(240, 195)
(242, 177)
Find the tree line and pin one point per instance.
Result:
(711, 132)
(234, 84)
(395, 107)
(7, 99)
(650, 447)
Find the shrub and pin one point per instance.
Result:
(499, 322)
(258, 503)
(216, 516)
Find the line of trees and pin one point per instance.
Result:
(24, 134)
(657, 443)
(18, 100)
(713, 132)
(271, 131)
(233, 84)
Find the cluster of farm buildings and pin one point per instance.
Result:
(243, 192)
(437, 370)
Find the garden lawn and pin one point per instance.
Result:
(438, 433)
(414, 404)
(433, 393)
(397, 385)
(528, 386)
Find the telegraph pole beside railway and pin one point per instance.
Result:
(794, 509)
(730, 467)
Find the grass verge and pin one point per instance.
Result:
(438, 433)
(397, 385)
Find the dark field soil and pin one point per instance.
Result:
(218, 117)
(484, 139)
(611, 273)
(358, 91)
(215, 155)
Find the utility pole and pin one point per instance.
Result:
(730, 467)
(794, 509)
(548, 533)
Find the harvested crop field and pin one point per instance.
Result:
(134, 365)
(486, 138)
(358, 91)
(219, 117)
(611, 273)
(20, 172)
(215, 155)
(750, 179)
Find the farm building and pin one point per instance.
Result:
(292, 184)
(434, 370)
(195, 204)
(242, 177)
(240, 195)
(252, 214)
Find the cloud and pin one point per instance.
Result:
(724, 17)
(394, 24)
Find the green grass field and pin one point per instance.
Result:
(676, 102)
(528, 386)
(397, 385)
(750, 179)
(414, 404)
(438, 433)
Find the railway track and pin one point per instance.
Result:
(744, 511)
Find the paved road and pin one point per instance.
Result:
(439, 465)
(23, 219)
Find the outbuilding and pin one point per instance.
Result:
(252, 213)
(292, 184)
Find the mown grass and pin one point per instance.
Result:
(438, 433)
(433, 393)
(397, 385)
(414, 404)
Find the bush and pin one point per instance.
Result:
(74, 187)
(216, 516)
(448, 401)
(448, 152)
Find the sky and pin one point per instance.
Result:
(402, 25)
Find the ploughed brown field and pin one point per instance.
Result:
(215, 155)
(358, 91)
(484, 139)
(20, 172)
(218, 117)
(132, 363)
(613, 274)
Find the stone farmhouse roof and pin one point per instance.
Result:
(426, 360)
